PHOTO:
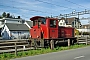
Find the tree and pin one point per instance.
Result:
(0, 17)
(8, 15)
(4, 14)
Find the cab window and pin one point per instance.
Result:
(53, 23)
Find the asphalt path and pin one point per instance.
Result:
(73, 54)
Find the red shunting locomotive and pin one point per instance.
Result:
(46, 29)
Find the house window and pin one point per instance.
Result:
(62, 20)
(14, 32)
(63, 23)
(60, 23)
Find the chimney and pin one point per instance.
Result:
(18, 17)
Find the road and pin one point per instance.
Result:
(73, 54)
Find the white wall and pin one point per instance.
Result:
(84, 30)
(20, 34)
(62, 23)
(12, 21)
(5, 33)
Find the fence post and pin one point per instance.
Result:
(68, 42)
(78, 40)
(52, 44)
(86, 41)
(15, 49)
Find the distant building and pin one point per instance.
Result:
(85, 28)
(62, 22)
(4, 21)
(75, 22)
(70, 22)
(15, 31)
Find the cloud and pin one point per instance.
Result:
(29, 8)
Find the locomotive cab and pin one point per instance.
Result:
(36, 31)
(53, 28)
(45, 28)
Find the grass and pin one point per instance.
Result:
(7, 56)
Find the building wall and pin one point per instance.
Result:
(19, 34)
(84, 30)
(5, 33)
(13, 21)
(62, 23)
(76, 24)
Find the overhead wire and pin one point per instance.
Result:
(12, 14)
(80, 6)
(37, 6)
(54, 4)
(42, 2)
(24, 8)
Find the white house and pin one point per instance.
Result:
(4, 21)
(63, 23)
(15, 31)
(10, 20)
(29, 23)
(70, 22)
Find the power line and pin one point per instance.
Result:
(85, 18)
(75, 4)
(22, 9)
(74, 14)
(25, 9)
(37, 6)
(54, 4)
(13, 14)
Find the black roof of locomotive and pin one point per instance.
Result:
(36, 17)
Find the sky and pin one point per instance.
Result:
(29, 8)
